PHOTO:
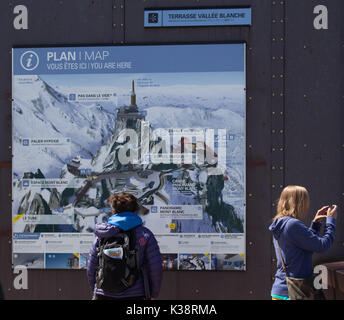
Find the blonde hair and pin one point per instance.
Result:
(293, 202)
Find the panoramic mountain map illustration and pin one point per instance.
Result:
(175, 139)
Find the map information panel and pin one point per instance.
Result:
(165, 123)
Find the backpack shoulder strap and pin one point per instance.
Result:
(132, 238)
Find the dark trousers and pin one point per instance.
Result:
(101, 297)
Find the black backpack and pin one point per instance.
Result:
(118, 267)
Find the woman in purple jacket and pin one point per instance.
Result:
(124, 206)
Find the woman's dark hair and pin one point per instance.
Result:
(122, 202)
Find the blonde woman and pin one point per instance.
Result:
(296, 241)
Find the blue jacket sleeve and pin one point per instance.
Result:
(306, 239)
(315, 227)
(92, 264)
(154, 266)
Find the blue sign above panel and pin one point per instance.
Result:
(198, 17)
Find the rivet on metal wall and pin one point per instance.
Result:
(273, 94)
(281, 20)
(273, 39)
(273, 168)
(250, 98)
(273, 21)
(281, 186)
(273, 3)
(250, 243)
(9, 147)
(273, 131)
(273, 112)
(273, 76)
(114, 25)
(122, 6)
(273, 186)
(305, 145)
(281, 94)
(250, 146)
(251, 292)
(273, 58)
(281, 131)
(122, 25)
(281, 149)
(273, 149)
(250, 194)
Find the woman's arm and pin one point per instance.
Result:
(306, 239)
(315, 227)
(154, 266)
(92, 265)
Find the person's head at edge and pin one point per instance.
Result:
(123, 202)
(293, 202)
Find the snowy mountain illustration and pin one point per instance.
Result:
(96, 140)
(37, 105)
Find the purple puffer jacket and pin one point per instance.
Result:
(149, 254)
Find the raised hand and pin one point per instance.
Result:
(332, 212)
(321, 214)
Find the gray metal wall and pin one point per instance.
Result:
(294, 121)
